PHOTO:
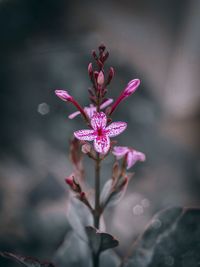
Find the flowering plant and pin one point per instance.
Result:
(101, 129)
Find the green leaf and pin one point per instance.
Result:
(100, 241)
(171, 239)
(25, 261)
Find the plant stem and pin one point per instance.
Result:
(97, 192)
(95, 259)
(97, 210)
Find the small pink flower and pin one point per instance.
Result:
(100, 133)
(132, 155)
(129, 90)
(91, 109)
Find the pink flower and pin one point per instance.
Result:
(100, 133)
(129, 90)
(132, 155)
(91, 109)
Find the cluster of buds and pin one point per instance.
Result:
(101, 128)
(97, 77)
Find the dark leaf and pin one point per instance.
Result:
(100, 241)
(171, 239)
(108, 241)
(26, 261)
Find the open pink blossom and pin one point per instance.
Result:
(91, 109)
(132, 155)
(101, 134)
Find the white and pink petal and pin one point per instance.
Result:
(102, 144)
(133, 157)
(120, 151)
(115, 128)
(74, 114)
(87, 135)
(99, 120)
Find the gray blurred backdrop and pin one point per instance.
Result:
(45, 45)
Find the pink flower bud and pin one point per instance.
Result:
(63, 95)
(129, 90)
(131, 87)
(82, 195)
(86, 148)
(73, 184)
(70, 180)
(90, 70)
(100, 78)
(110, 75)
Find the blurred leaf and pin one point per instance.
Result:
(79, 216)
(100, 241)
(110, 197)
(25, 261)
(171, 239)
(74, 252)
(109, 258)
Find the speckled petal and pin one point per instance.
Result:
(88, 135)
(102, 144)
(120, 151)
(133, 157)
(116, 128)
(99, 121)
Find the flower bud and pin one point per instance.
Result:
(102, 48)
(110, 75)
(131, 87)
(69, 180)
(105, 57)
(73, 184)
(63, 95)
(90, 70)
(86, 148)
(100, 78)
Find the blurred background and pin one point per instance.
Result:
(45, 45)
